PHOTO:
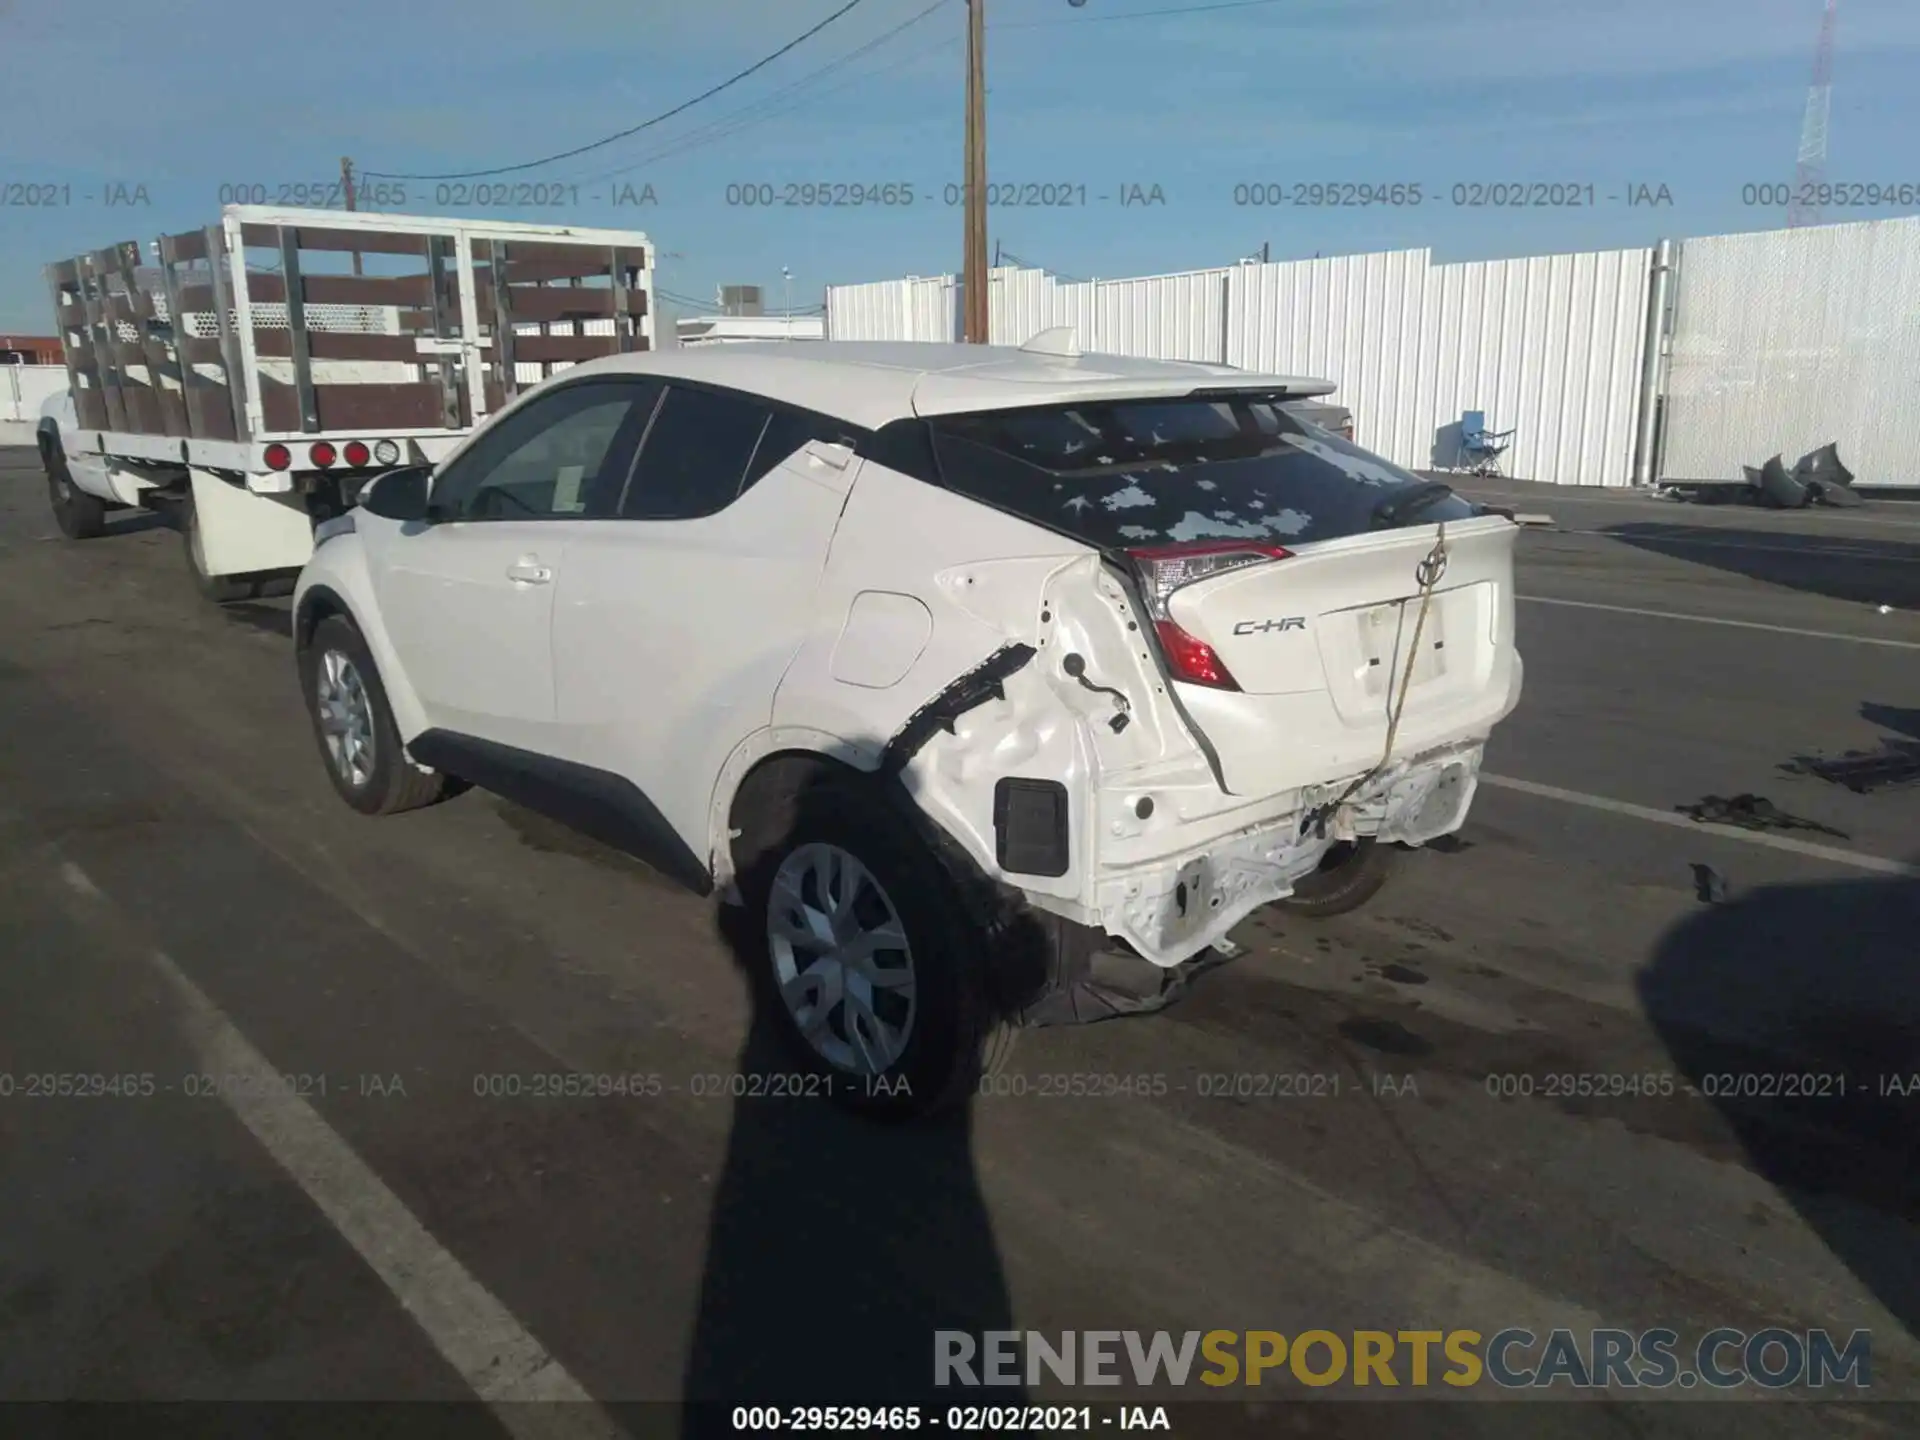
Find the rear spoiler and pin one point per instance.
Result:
(1284, 388)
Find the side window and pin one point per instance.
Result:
(694, 458)
(905, 446)
(560, 457)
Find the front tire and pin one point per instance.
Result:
(1350, 874)
(863, 951)
(79, 515)
(353, 723)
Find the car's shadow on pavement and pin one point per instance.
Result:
(838, 1245)
(1858, 569)
(1796, 1010)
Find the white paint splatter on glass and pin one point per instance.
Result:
(1128, 497)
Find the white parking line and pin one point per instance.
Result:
(1722, 620)
(494, 1353)
(1855, 858)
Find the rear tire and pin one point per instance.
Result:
(1350, 875)
(838, 857)
(353, 725)
(79, 515)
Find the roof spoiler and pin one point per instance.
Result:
(1287, 388)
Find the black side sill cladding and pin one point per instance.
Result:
(986, 681)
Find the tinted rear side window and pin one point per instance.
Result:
(694, 458)
(1163, 471)
(905, 446)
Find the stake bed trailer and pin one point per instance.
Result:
(257, 380)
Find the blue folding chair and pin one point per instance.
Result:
(1481, 448)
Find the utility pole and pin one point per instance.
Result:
(974, 278)
(346, 186)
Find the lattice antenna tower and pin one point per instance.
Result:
(1812, 169)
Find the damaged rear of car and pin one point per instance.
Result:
(1265, 655)
(1145, 662)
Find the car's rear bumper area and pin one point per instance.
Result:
(1174, 908)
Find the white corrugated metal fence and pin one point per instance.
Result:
(24, 387)
(1550, 347)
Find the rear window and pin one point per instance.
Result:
(1159, 472)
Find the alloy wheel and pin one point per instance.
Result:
(841, 959)
(346, 718)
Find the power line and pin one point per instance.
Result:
(747, 116)
(721, 130)
(1029, 265)
(633, 130)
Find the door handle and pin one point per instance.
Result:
(528, 573)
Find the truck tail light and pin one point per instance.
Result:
(321, 454)
(1163, 569)
(357, 454)
(278, 457)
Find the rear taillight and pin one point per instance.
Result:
(1192, 660)
(321, 454)
(1164, 569)
(357, 454)
(278, 457)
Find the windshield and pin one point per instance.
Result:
(1158, 472)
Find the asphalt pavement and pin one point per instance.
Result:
(298, 1105)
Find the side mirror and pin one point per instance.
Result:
(398, 494)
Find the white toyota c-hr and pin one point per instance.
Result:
(954, 665)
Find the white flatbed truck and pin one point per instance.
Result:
(251, 377)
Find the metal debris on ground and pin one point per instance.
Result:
(1709, 885)
(1817, 478)
(1113, 983)
(1751, 812)
(1896, 762)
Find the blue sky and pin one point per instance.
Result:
(1700, 96)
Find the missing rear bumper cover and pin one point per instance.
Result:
(1173, 911)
